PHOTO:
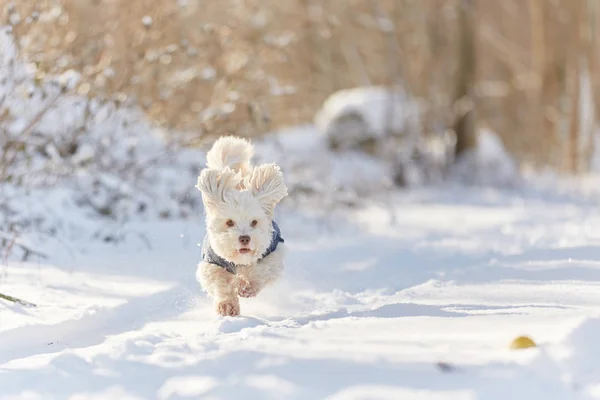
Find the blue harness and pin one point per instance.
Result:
(209, 255)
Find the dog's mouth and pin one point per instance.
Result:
(244, 250)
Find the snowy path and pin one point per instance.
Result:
(367, 310)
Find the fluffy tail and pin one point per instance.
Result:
(231, 151)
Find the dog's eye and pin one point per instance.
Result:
(230, 223)
(253, 223)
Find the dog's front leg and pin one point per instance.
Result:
(246, 287)
(220, 285)
(252, 279)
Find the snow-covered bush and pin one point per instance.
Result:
(385, 123)
(488, 164)
(319, 175)
(430, 161)
(113, 162)
(371, 119)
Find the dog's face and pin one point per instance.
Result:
(240, 230)
(239, 212)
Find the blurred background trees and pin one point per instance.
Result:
(526, 69)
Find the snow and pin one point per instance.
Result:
(370, 307)
(209, 73)
(14, 18)
(147, 21)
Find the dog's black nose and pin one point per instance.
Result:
(244, 240)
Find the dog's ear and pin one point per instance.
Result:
(267, 185)
(215, 184)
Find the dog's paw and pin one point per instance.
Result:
(228, 308)
(247, 289)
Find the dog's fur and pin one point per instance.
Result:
(233, 190)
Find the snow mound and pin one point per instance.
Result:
(488, 164)
(189, 386)
(237, 324)
(353, 118)
(388, 392)
(313, 170)
(578, 356)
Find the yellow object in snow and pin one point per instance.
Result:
(522, 342)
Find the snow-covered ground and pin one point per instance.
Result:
(417, 296)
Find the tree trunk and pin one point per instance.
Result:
(464, 104)
(574, 92)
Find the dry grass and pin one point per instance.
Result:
(248, 66)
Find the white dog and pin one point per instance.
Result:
(243, 248)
